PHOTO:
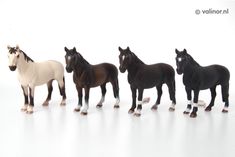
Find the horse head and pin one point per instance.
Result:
(124, 59)
(71, 59)
(13, 56)
(182, 59)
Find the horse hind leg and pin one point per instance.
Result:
(50, 89)
(171, 89)
(225, 95)
(116, 93)
(62, 91)
(159, 94)
(213, 95)
(103, 91)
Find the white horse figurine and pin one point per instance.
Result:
(31, 74)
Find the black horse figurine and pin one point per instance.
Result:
(196, 78)
(87, 76)
(142, 76)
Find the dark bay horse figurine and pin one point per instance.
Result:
(142, 76)
(196, 78)
(87, 76)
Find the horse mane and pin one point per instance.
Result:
(192, 61)
(136, 59)
(26, 57)
(83, 59)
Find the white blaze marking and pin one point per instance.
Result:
(179, 59)
(123, 57)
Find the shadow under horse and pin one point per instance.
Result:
(196, 78)
(86, 76)
(142, 76)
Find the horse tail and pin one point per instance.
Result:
(62, 88)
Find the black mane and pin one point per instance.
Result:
(192, 61)
(26, 57)
(82, 59)
(136, 59)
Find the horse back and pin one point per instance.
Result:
(104, 72)
(148, 76)
(208, 76)
(221, 73)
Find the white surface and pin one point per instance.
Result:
(152, 29)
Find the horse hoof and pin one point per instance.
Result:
(29, 112)
(84, 113)
(208, 109)
(131, 111)
(171, 109)
(62, 104)
(193, 115)
(185, 112)
(154, 107)
(23, 109)
(77, 110)
(116, 106)
(225, 111)
(46, 103)
(99, 106)
(137, 114)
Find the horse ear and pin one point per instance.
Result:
(66, 49)
(184, 51)
(119, 48)
(176, 51)
(74, 49)
(128, 48)
(8, 47)
(17, 47)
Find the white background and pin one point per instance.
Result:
(152, 29)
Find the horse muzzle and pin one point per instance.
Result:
(69, 70)
(122, 70)
(12, 68)
(179, 71)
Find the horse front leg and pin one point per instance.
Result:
(79, 90)
(195, 104)
(132, 109)
(86, 105)
(26, 98)
(31, 100)
(139, 107)
(189, 98)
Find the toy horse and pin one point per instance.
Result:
(196, 78)
(87, 76)
(32, 74)
(142, 76)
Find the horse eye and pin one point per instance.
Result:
(18, 56)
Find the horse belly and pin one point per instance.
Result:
(47, 71)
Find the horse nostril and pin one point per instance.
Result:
(12, 68)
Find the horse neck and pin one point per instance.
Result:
(83, 66)
(191, 66)
(22, 64)
(134, 66)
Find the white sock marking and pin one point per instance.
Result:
(117, 102)
(85, 107)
